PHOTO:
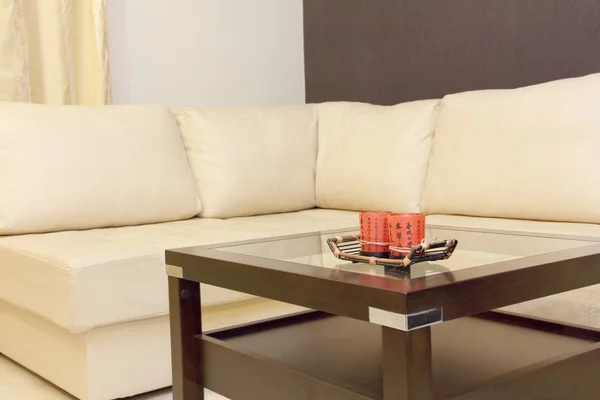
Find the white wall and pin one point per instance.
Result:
(206, 52)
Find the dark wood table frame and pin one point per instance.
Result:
(405, 309)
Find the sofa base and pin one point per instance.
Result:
(113, 361)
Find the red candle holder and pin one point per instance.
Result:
(374, 234)
(406, 231)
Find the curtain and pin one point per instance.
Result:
(54, 52)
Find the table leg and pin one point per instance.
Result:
(407, 364)
(186, 322)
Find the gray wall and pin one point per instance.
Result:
(206, 52)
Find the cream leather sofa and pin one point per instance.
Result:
(91, 197)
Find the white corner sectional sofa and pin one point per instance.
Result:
(90, 198)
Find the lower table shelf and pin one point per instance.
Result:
(468, 353)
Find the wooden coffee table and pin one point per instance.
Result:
(376, 335)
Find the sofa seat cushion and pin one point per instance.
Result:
(373, 157)
(84, 279)
(584, 231)
(579, 307)
(311, 250)
(305, 221)
(528, 153)
(252, 161)
(83, 167)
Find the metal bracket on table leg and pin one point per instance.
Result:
(405, 322)
(174, 271)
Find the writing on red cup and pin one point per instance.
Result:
(374, 233)
(406, 231)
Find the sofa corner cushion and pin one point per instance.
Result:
(81, 167)
(526, 153)
(373, 157)
(252, 161)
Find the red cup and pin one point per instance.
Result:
(406, 231)
(374, 234)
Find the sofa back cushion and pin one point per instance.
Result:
(79, 167)
(252, 161)
(373, 157)
(527, 153)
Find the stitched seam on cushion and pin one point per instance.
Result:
(62, 267)
(438, 111)
(79, 267)
(2, 227)
(269, 225)
(80, 329)
(93, 265)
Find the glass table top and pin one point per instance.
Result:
(475, 249)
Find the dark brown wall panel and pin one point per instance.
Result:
(390, 51)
